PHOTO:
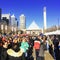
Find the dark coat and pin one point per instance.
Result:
(56, 48)
(3, 53)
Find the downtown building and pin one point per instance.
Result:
(8, 23)
(6, 18)
(22, 22)
(14, 23)
(4, 24)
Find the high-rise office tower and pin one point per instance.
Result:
(44, 15)
(22, 22)
(0, 14)
(13, 22)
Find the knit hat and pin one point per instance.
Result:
(41, 34)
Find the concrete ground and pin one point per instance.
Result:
(47, 55)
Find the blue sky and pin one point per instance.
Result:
(33, 10)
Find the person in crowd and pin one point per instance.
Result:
(30, 48)
(24, 46)
(10, 42)
(37, 47)
(19, 40)
(42, 47)
(59, 49)
(51, 46)
(4, 49)
(31, 42)
(56, 48)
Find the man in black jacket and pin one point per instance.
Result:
(56, 48)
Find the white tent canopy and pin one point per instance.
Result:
(57, 32)
(49, 33)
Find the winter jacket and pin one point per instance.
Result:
(24, 46)
(37, 44)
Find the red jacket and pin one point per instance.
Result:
(37, 44)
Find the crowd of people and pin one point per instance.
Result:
(17, 47)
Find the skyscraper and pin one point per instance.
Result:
(0, 14)
(13, 22)
(44, 15)
(22, 22)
